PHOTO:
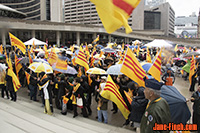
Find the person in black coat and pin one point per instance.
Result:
(33, 86)
(79, 93)
(10, 88)
(87, 93)
(138, 106)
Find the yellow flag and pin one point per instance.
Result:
(1, 49)
(115, 13)
(148, 56)
(155, 69)
(132, 68)
(112, 93)
(176, 47)
(192, 69)
(81, 59)
(18, 43)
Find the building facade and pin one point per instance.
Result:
(198, 29)
(167, 17)
(186, 27)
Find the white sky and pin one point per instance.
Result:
(185, 7)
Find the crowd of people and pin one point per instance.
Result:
(67, 91)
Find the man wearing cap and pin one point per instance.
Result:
(157, 110)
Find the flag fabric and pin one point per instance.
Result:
(61, 64)
(111, 92)
(148, 56)
(46, 52)
(89, 80)
(115, 13)
(92, 61)
(30, 59)
(15, 80)
(1, 49)
(81, 59)
(101, 53)
(96, 40)
(52, 57)
(132, 68)
(33, 44)
(121, 59)
(72, 48)
(18, 65)
(27, 77)
(192, 69)
(138, 50)
(155, 69)
(79, 72)
(31, 50)
(122, 46)
(175, 48)
(87, 52)
(18, 43)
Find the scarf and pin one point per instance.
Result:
(73, 97)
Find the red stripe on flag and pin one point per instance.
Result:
(136, 65)
(159, 57)
(136, 69)
(82, 59)
(124, 6)
(116, 96)
(158, 62)
(157, 67)
(192, 68)
(132, 70)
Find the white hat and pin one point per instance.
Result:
(104, 77)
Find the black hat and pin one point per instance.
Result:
(153, 84)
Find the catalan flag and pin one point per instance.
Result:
(30, 59)
(46, 52)
(155, 69)
(52, 57)
(79, 72)
(18, 66)
(61, 64)
(192, 69)
(96, 40)
(92, 61)
(115, 13)
(148, 56)
(121, 59)
(27, 77)
(15, 80)
(81, 59)
(132, 68)
(18, 43)
(111, 92)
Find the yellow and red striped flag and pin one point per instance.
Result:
(122, 58)
(111, 92)
(30, 59)
(192, 69)
(27, 77)
(15, 80)
(148, 56)
(87, 52)
(18, 43)
(115, 13)
(61, 64)
(96, 40)
(132, 68)
(46, 52)
(92, 61)
(18, 66)
(79, 72)
(155, 69)
(1, 49)
(81, 59)
(52, 57)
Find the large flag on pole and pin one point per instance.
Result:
(155, 69)
(115, 13)
(52, 56)
(15, 80)
(111, 92)
(18, 43)
(18, 66)
(61, 64)
(96, 40)
(81, 59)
(192, 69)
(132, 68)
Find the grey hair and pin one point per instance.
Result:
(156, 92)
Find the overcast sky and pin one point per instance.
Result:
(185, 7)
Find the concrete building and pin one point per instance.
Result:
(186, 27)
(153, 3)
(51, 10)
(167, 17)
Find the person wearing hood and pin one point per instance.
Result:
(87, 93)
(138, 106)
(168, 77)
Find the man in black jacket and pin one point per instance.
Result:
(33, 86)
